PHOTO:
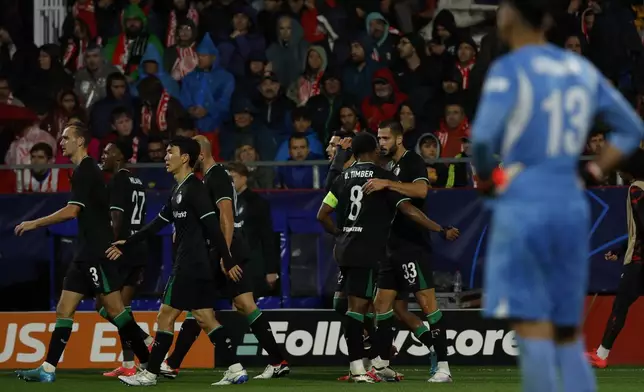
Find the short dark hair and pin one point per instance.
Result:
(297, 136)
(363, 143)
(301, 113)
(394, 125)
(344, 134)
(44, 147)
(118, 112)
(155, 139)
(125, 149)
(187, 146)
(238, 168)
(80, 129)
(533, 12)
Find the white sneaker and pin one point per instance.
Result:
(441, 376)
(271, 371)
(141, 379)
(236, 374)
(168, 372)
(387, 374)
(362, 379)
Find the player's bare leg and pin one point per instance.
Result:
(128, 367)
(277, 367)
(427, 301)
(65, 310)
(235, 374)
(354, 328)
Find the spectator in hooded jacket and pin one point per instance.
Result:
(181, 10)
(206, 91)
(75, 46)
(236, 48)
(384, 41)
(91, 78)
(287, 56)
(117, 94)
(152, 64)
(466, 59)
(301, 126)
(42, 86)
(385, 99)
(446, 32)
(245, 130)
(273, 108)
(415, 75)
(357, 76)
(309, 84)
(181, 58)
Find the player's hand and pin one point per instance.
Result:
(271, 279)
(345, 143)
(113, 252)
(118, 243)
(452, 233)
(221, 265)
(235, 273)
(432, 175)
(25, 227)
(374, 185)
(610, 256)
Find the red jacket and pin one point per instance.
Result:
(375, 111)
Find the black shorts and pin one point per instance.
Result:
(93, 278)
(356, 282)
(631, 283)
(227, 288)
(184, 293)
(406, 271)
(133, 275)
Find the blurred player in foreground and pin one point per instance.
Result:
(631, 284)
(537, 107)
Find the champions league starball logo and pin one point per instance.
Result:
(179, 198)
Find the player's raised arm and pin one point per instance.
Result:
(627, 129)
(495, 107)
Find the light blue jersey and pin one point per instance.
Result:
(537, 108)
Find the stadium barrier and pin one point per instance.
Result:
(309, 338)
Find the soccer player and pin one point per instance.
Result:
(407, 267)
(537, 106)
(90, 272)
(222, 194)
(631, 284)
(365, 220)
(128, 212)
(191, 285)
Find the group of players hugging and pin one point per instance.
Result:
(375, 248)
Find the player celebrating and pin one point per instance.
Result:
(90, 272)
(127, 210)
(631, 284)
(537, 107)
(222, 194)
(407, 267)
(360, 245)
(191, 285)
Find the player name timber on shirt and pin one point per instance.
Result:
(358, 174)
(94, 227)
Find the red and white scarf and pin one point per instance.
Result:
(162, 110)
(309, 88)
(171, 36)
(73, 49)
(135, 149)
(122, 53)
(26, 182)
(465, 72)
(187, 61)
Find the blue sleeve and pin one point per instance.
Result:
(222, 102)
(627, 128)
(499, 94)
(172, 86)
(184, 95)
(282, 152)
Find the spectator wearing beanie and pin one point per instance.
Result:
(181, 11)
(48, 79)
(236, 47)
(445, 32)
(415, 75)
(357, 76)
(181, 58)
(206, 91)
(273, 108)
(466, 59)
(90, 80)
(288, 55)
(385, 99)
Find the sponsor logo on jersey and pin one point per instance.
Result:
(179, 214)
(179, 198)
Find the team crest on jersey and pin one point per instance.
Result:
(179, 198)
(397, 170)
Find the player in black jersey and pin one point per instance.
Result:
(191, 286)
(364, 221)
(90, 272)
(128, 211)
(407, 267)
(222, 193)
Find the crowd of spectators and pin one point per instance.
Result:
(273, 80)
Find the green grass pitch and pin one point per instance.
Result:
(309, 379)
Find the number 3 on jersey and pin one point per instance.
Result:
(356, 202)
(569, 119)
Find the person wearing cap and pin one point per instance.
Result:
(245, 130)
(272, 106)
(385, 99)
(357, 75)
(206, 91)
(90, 80)
(466, 59)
